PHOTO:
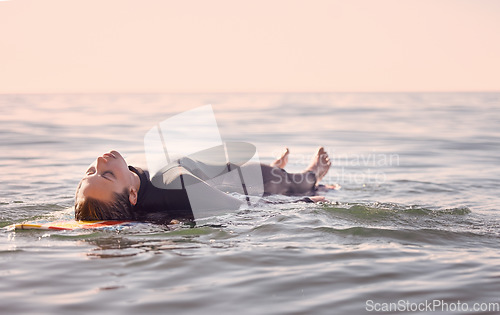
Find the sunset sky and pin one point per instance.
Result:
(116, 46)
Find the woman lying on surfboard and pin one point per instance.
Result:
(113, 190)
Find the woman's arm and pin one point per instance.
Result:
(205, 200)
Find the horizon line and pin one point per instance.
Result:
(250, 92)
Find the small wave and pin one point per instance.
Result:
(373, 210)
(410, 236)
(457, 225)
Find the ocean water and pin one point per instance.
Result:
(415, 226)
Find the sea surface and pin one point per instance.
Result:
(415, 226)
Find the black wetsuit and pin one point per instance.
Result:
(161, 205)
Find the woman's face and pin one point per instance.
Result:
(108, 174)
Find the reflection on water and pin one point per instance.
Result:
(427, 229)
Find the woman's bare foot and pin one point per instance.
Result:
(320, 164)
(325, 188)
(282, 160)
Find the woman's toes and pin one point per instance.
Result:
(282, 160)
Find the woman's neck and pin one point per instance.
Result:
(136, 180)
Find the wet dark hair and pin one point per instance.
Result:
(91, 209)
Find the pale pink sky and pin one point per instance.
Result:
(54, 46)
